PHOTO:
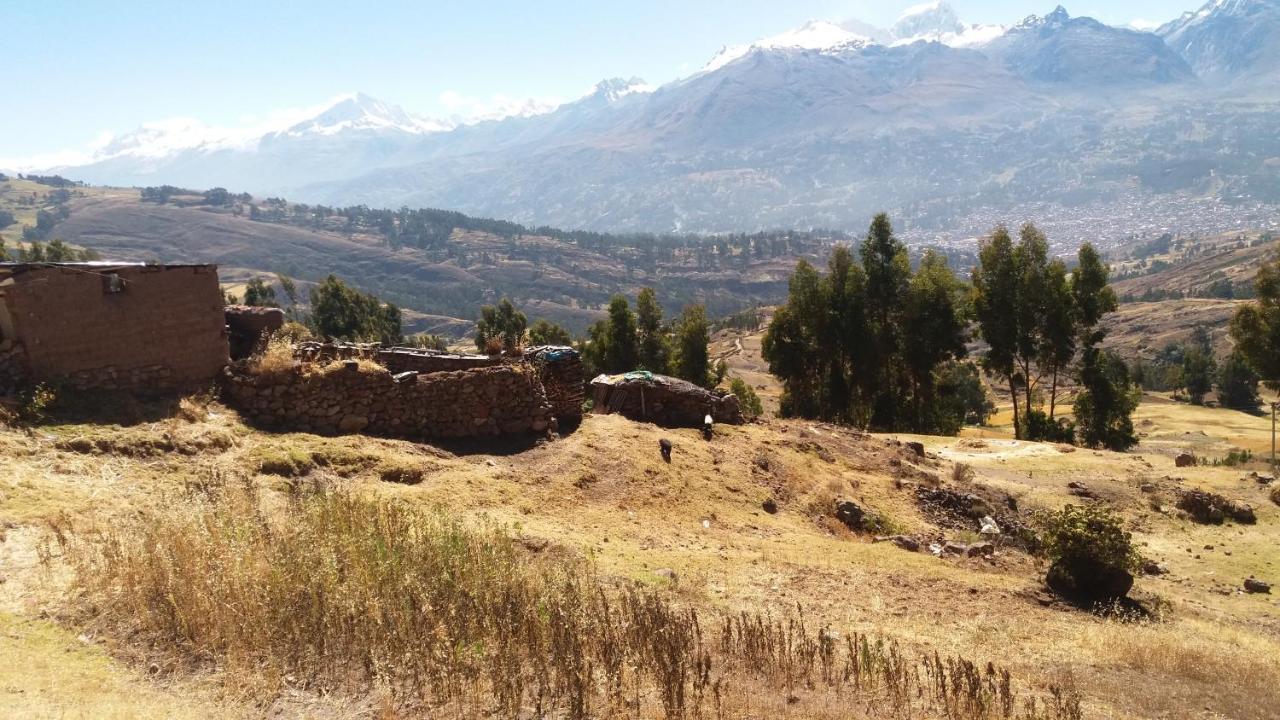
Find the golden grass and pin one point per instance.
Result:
(1195, 650)
(346, 593)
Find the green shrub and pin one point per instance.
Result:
(1091, 554)
(1036, 425)
(747, 398)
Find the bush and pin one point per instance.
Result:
(1037, 426)
(747, 398)
(1091, 554)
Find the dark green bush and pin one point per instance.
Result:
(1091, 554)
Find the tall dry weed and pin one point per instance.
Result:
(343, 593)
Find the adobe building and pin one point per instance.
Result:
(111, 325)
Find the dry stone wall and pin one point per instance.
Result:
(564, 379)
(663, 400)
(396, 359)
(348, 397)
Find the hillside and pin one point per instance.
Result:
(559, 278)
(603, 492)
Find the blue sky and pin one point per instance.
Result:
(79, 69)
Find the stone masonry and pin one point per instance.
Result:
(349, 397)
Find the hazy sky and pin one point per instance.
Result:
(77, 70)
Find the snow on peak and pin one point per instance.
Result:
(813, 35)
(362, 112)
(933, 18)
(617, 88)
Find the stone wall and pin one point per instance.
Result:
(397, 359)
(347, 397)
(128, 327)
(564, 379)
(13, 367)
(248, 328)
(663, 400)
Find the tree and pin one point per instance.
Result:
(995, 283)
(260, 294)
(790, 344)
(621, 351)
(1093, 297)
(1256, 326)
(1104, 407)
(1238, 384)
(342, 312)
(692, 362)
(291, 294)
(500, 327)
(936, 327)
(888, 274)
(545, 332)
(654, 347)
(747, 398)
(1059, 329)
(1198, 370)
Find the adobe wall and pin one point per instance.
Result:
(503, 399)
(163, 328)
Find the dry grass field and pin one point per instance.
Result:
(603, 496)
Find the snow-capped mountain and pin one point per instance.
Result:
(1229, 37)
(817, 126)
(1058, 48)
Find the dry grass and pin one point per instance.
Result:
(341, 592)
(1194, 650)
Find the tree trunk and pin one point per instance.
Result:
(1013, 393)
(1053, 393)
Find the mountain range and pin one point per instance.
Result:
(948, 126)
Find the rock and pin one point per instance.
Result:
(917, 448)
(1253, 585)
(989, 526)
(352, 423)
(849, 513)
(1212, 508)
(664, 446)
(667, 573)
(1263, 479)
(1080, 490)
(955, 548)
(1185, 460)
(983, 549)
(1151, 567)
(906, 542)
(770, 506)
(1087, 581)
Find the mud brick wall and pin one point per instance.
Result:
(163, 327)
(505, 399)
(13, 367)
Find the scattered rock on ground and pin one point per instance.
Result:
(1185, 460)
(770, 506)
(1212, 508)
(667, 573)
(1253, 585)
(1151, 567)
(906, 542)
(984, 549)
(916, 447)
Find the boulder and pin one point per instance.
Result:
(1088, 582)
(850, 514)
(906, 542)
(1253, 585)
(1212, 508)
(1185, 460)
(1151, 567)
(983, 549)
(917, 448)
(770, 506)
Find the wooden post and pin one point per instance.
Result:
(1274, 406)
